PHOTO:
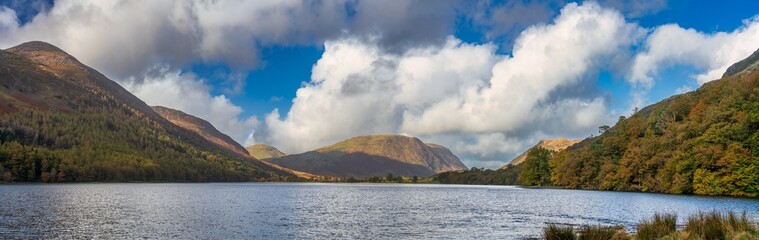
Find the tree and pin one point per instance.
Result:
(415, 179)
(352, 179)
(535, 169)
(603, 128)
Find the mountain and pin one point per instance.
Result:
(556, 145)
(376, 155)
(63, 121)
(213, 135)
(202, 128)
(702, 142)
(263, 151)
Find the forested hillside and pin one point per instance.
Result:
(702, 142)
(61, 121)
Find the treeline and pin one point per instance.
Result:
(509, 175)
(389, 178)
(704, 142)
(480, 176)
(109, 145)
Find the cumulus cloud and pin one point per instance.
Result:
(710, 53)
(187, 93)
(509, 18)
(357, 88)
(8, 20)
(503, 21)
(462, 94)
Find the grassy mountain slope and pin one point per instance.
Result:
(375, 155)
(263, 151)
(702, 142)
(63, 121)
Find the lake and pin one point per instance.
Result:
(324, 211)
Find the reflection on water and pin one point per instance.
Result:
(307, 211)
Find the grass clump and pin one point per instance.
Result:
(558, 232)
(657, 227)
(714, 225)
(602, 233)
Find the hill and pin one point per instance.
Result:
(376, 155)
(556, 145)
(701, 142)
(61, 121)
(263, 151)
(201, 127)
(213, 135)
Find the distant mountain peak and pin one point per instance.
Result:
(38, 46)
(263, 151)
(558, 144)
(750, 64)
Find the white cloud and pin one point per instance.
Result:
(8, 20)
(462, 95)
(545, 57)
(710, 53)
(191, 95)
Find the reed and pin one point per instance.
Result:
(657, 227)
(715, 225)
(558, 232)
(601, 233)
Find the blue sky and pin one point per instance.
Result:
(235, 62)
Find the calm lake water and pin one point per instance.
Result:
(323, 211)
